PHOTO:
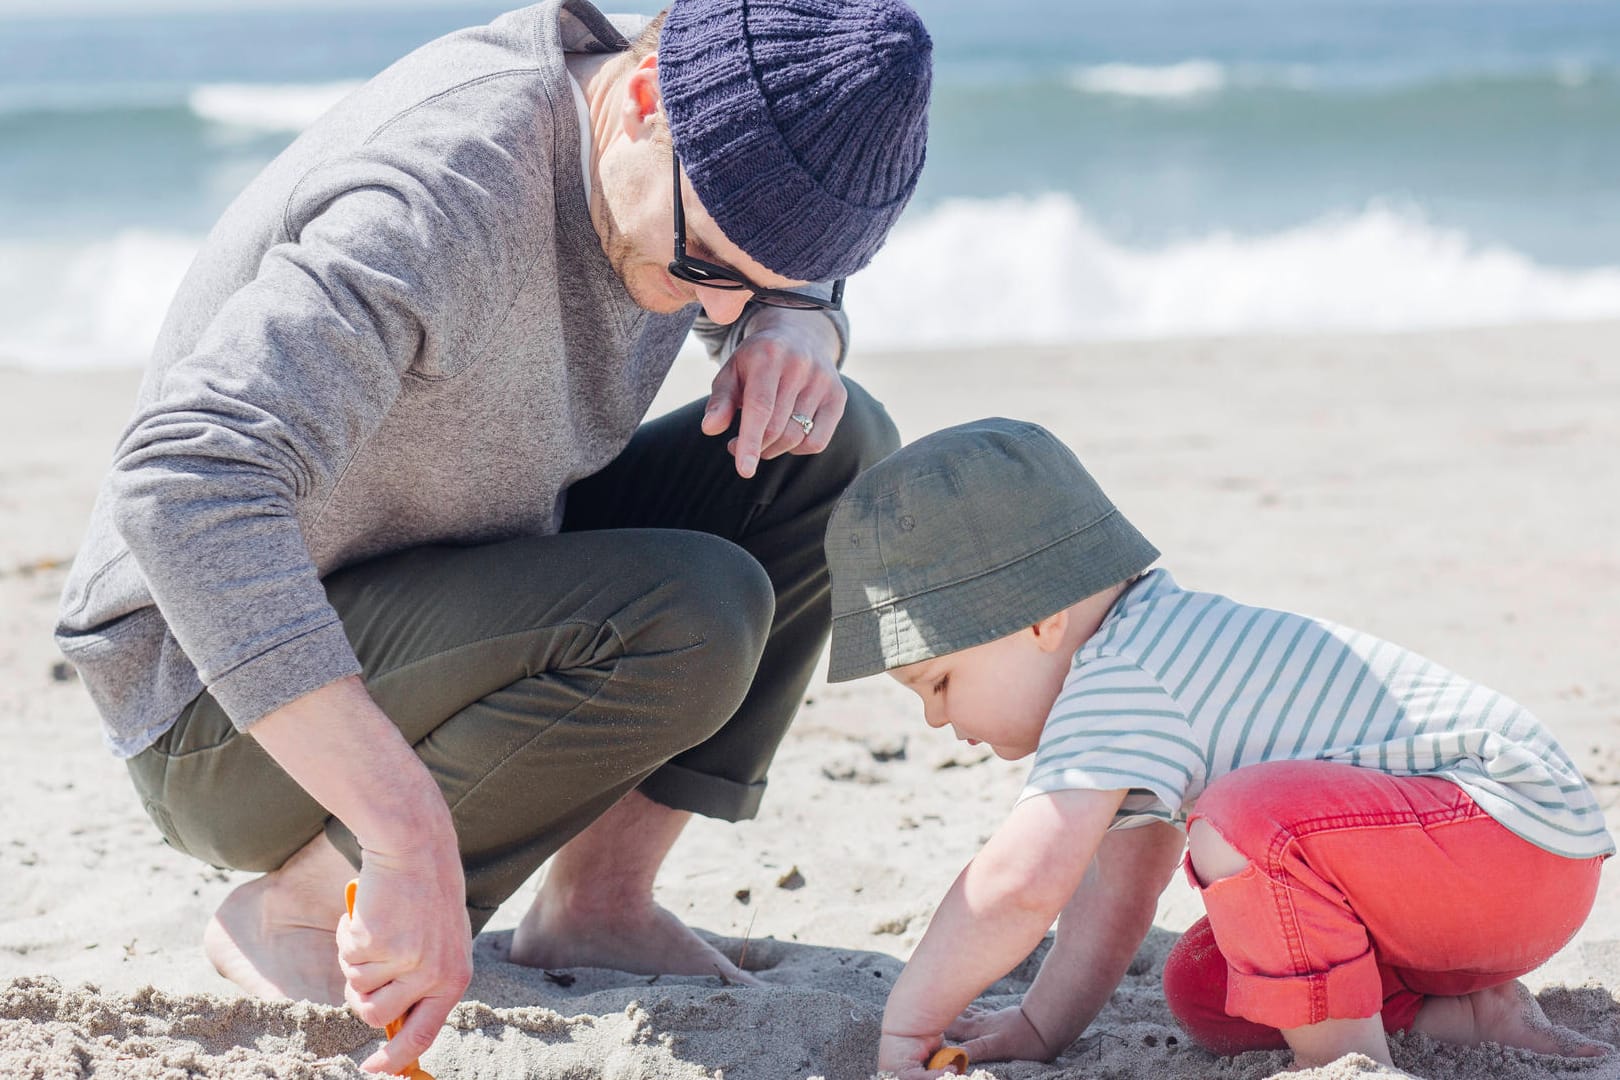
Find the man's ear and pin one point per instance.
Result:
(642, 99)
(1049, 631)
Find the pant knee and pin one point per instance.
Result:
(728, 598)
(1195, 978)
(721, 603)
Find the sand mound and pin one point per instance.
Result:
(820, 1018)
(48, 1032)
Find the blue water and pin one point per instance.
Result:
(1121, 145)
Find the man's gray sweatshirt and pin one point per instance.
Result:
(403, 332)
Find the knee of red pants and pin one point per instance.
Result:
(1195, 981)
(1195, 989)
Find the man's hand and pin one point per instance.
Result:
(786, 365)
(408, 949)
(406, 953)
(999, 1035)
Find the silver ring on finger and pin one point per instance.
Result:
(803, 421)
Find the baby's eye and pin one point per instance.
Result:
(939, 686)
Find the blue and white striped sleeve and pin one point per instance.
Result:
(1114, 726)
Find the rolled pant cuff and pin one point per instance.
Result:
(1348, 991)
(680, 788)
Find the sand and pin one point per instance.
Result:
(1454, 492)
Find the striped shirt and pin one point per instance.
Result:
(1179, 688)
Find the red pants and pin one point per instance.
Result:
(1364, 893)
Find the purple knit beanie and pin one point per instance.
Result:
(801, 123)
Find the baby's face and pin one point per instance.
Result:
(997, 693)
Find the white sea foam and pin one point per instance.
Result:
(1188, 79)
(92, 305)
(968, 272)
(267, 107)
(1038, 271)
(1573, 74)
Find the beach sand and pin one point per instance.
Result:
(1454, 492)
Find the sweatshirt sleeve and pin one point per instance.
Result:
(293, 375)
(722, 340)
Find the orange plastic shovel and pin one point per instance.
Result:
(953, 1058)
(412, 1071)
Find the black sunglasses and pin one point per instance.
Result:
(713, 276)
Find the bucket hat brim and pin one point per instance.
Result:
(1021, 592)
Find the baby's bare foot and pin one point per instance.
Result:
(1508, 1014)
(1511, 1015)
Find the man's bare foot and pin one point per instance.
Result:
(643, 938)
(275, 936)
(1508, 1014)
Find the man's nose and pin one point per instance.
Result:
(723, 305)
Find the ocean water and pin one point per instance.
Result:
(1098, 169)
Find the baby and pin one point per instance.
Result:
(1380, 844)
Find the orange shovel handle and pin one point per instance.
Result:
(953, 1058)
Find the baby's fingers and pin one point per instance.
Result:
(998, 1046)
(983, 1048)
(969, 1023)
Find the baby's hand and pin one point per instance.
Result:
(999, 1035)
(904, 1055)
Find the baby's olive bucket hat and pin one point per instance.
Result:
(965, 536)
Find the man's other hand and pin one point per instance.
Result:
(406, 952)
(786, 366)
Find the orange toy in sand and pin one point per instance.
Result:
(953, 1058)
(413, 1071)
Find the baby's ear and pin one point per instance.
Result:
(1049, 631)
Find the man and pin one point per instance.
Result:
(385, 577)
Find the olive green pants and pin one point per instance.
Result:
(663, 641)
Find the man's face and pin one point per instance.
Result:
(997, 693)
(639, 240)
(634, 214)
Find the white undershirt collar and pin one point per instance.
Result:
(584, 111)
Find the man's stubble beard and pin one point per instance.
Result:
(621, 256)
